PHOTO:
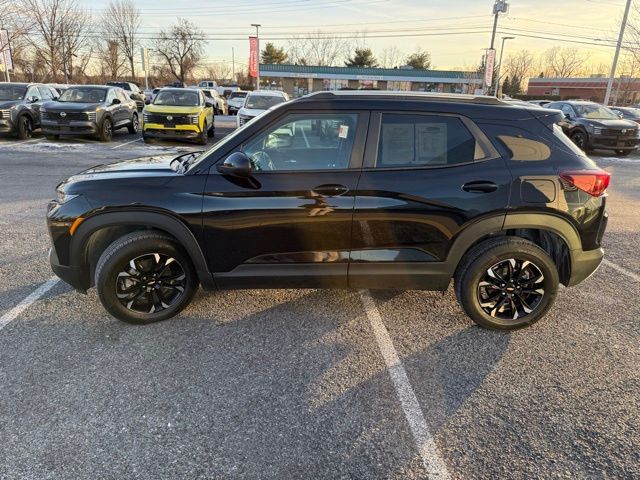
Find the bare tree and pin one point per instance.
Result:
(111, 61)
(121, 23)
(563, 62)
(220, 71)
(318, 49)
(58, 36)
(181, 48)
(391, 57)
(518, 67)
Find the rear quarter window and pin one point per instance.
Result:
(517, 144)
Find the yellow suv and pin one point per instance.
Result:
(178, 113)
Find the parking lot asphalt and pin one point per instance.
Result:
(308, 383)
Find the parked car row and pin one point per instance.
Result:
(593, 126)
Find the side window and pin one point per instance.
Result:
(111, 95)
(305, 142)
(568, 110)
(45, 93)
(33, 92)
(425, 141)
(122, 95)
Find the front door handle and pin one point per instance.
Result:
(480, 187)
(330, 190)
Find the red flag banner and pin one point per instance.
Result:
(253, 56)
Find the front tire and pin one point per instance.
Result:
(145, 277)
(506, 283)
(581, 140)
(203, 138)
(134, 125)
(25, 127)
(106, 130)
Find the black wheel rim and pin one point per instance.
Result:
(26, 127)
(151, 283)
(579, 140)
(511, 289)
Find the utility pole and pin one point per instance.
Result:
(257, 25)
(614, 66)
(497, 85)
(233, 64)
(64, 58)
(500, 6)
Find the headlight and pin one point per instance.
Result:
(64, 197)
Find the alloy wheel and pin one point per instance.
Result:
(511, 289)
(151, 283)
(580, 140)
(107, 129)
(27, 129)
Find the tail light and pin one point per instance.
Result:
(594, 182)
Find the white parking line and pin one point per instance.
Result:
(27, 302)
(433, 463)
(125, 143)
(622, 270)
(22, 142)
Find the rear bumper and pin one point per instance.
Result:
(584, 264)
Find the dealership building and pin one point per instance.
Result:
(625, 91)
(299, 80)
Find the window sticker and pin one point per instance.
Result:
(431, 143)
(343, 131)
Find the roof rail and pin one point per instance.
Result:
(438, 97)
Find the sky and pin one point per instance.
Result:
(405, 24)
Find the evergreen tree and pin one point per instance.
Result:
(273, 55)
(362, 58)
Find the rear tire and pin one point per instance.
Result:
(145, 277)
(506, 283)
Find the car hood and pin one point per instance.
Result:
(612, 123)
(171, 109)
(9, 103)
(251, 112)
(71, 106)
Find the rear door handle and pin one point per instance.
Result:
(480, 187)
(330, 190)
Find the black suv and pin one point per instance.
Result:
(93, 110)
(133, 91)
(20, 107)
(592, 126)
(345, 189)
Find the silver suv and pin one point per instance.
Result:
(94, 110)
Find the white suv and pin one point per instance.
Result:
(258, 102)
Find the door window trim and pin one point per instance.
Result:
(357, 152)
(375, 129)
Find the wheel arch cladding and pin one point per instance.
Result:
(117, 224)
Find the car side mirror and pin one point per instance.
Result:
(34, 99)
(116, 101)
(238, 164)
(147, 102)
(209, 103)
(55, 99)
(567, 116)
(620, 115)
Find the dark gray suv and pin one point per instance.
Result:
(20, 107)
(89, 110)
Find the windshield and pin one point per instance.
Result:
(12, 92)
(631, 112)
(237, 95)
(84, 95)
(262, 102)
(177, 98)
(595, 111)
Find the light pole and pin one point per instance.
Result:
(617, 54)
(257, 25)
(497, 85)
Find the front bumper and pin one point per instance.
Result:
(614, 142)
(156, 130)
(6, 126)
(50, 127)
(74, 276)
